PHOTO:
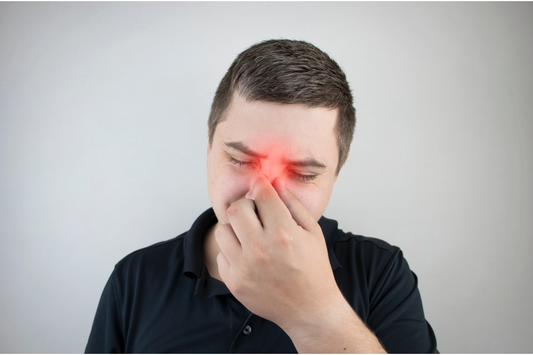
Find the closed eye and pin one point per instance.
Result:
(293, 175)
(303, 177)
(239, 163)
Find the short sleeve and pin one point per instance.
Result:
(396, 313)
(106, 333)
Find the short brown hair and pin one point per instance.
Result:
(288, 72)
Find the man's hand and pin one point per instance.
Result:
(276, 264)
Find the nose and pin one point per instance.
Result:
(270, 170)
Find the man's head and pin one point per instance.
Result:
(283, 110)
(288, 72)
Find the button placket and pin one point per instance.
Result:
(243, 336)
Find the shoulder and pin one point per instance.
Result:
(365, 242)
(374, 260)
(370, 262)
(376, 280)
(370, 251)
(156, 257)
(371, 258)
(350, 245)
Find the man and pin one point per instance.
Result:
(262, 270)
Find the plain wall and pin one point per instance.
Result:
(103, 137)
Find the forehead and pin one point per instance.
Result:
(294, 129)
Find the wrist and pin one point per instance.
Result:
(320, 320)
(336, 328)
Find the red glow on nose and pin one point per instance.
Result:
(272, 167)
(272, 171)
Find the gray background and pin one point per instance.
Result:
(103, 111)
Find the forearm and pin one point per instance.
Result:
(339, 330)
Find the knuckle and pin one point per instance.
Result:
(233, 209)
(218, 233)
(221, 231)
(283, 238)
(238, 206)
(249, 203)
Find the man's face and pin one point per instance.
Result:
(292, 142)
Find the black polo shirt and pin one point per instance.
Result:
(161, 299)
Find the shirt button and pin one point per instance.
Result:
(247, 330)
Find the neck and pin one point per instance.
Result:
(211, 251)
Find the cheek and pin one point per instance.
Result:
(234, 187)
(312, 198)
(227, 187)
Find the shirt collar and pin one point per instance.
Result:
(194, 265)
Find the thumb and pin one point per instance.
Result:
(299, 212)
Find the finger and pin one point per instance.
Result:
(224, 266)
(244, 220)
(270, 207)
(298, 211)
(228, 243)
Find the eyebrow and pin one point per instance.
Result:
(240, 146)
(306, 163)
